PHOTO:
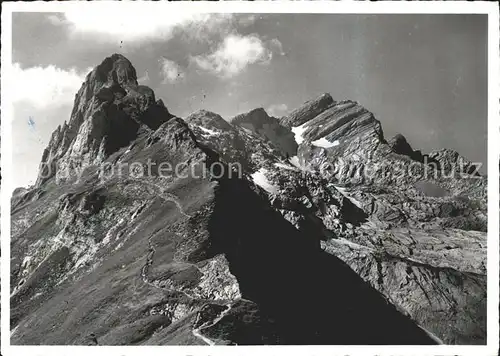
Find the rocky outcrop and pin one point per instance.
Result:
(151, 245)
(309, 110)
(130, 260)
(425, 217)
(400, 145)
(115, 254)
(237, 146)
(109, 110)
(451, 162)
(343, 132)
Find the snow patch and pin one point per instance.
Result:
(208, 131)
(295, 161)
(324, 143)
(298, 131)
(341, 189)
(350, 243)
(247, 131)
(261, 180)
(285, 166)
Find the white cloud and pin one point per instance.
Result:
(44, 95)
(136, 24)
(45, 87)
(171, 72)
(234, 54)
(208, 27)
(277, 110)
(56, 19)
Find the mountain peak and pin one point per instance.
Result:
(116, 69)
(308, 110)
(108, 111)
(256, 116)
(400, 145)
(269, 128)
(208, 120)
(325, 96)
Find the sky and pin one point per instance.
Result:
(424, 76)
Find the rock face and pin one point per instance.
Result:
(412, 202)
(308, 111)
(268, 128)
(109, 110)
(236, 145)
(203, 231)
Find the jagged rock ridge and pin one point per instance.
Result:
(109, 110)
(286, 253)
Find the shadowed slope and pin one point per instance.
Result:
(314, 297)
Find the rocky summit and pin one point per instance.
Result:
(144, 228)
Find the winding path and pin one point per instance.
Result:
(197, 332)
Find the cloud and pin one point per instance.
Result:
(45, 87)
(43, 95)
(208, 28)
(277, 110)
(233, 55)
(171, 72)
(135, 24)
